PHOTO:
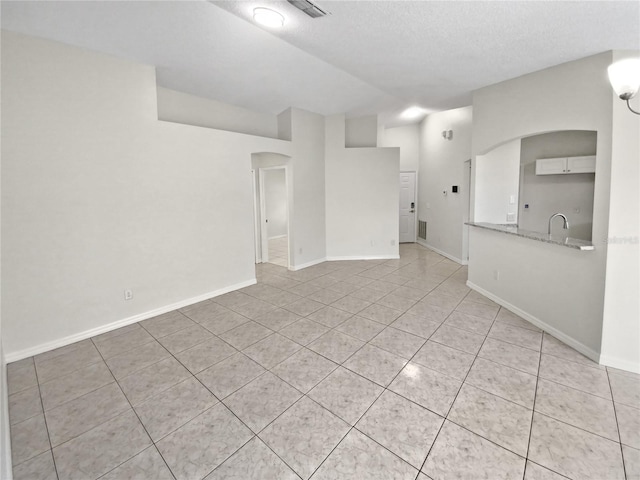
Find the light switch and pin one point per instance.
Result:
(512, 200)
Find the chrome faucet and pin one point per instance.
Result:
(566, 222)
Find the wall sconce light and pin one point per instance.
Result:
(447, 134)
(624, 76)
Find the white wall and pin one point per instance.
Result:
(361, 132)
(99, 196)
(307, 240)
(284, 125)
(442, 166)
(560, 287)
(545, 195)
(5, 434)
(362, 197)
(276, 202)
(180, 107)
(621, 325)
(306, 181)
(407, 138)
(497, 183)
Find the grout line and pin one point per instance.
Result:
(219, 402)
(370, 406)
(458, 393)
(393, 267)
(615, 413)
(351, 427)
(502, 447)
(117, 383)
(528, 460)
(46, 425)
(574, 426)
(444, 418)
(139, 453)
(550, 380)
(153, 444)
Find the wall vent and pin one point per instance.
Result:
(309, 8)
(422, 229)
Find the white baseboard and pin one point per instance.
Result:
(573, 343)
(45, 347)
(363, 257)
(444, 254)
(295, 268)
(620, 364)
(349, 257)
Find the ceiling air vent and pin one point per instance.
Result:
(309, 8)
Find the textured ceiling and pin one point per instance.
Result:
(366, 57)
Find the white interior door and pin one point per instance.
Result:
(407, 207)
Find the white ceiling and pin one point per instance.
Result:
(366, 57)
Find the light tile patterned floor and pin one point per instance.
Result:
(345, 370)
(278, 254)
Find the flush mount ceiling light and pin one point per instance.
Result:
(267, 17)
(624, 76)
(413, 112)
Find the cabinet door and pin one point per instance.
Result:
(581, 164)
(551, 166)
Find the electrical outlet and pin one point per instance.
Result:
(511, 217)
(373, 243)
(496, 274)
(300, 250)
(128, 294)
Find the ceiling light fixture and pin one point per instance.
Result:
(413, 112)
(267, 17)
(624, 76)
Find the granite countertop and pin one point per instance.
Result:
(511, 229)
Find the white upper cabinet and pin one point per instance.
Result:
(551, 166)
(565, 165)
(581, 164)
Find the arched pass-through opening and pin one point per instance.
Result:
(525, 181)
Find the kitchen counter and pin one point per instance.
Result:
(511, 229)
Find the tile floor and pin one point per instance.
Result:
(345, 370)
(278, 254)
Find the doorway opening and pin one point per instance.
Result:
(271, 208)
